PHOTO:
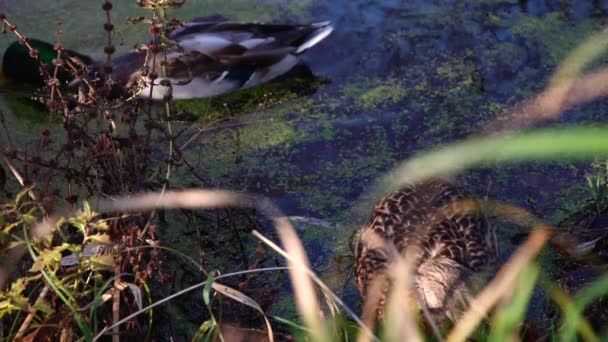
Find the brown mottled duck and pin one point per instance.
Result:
(454, 245)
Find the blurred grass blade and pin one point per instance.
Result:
(574, 64)
(305, 294)
(507, 320)
(566, 143)
(364, 328)
(565, 302)
(568, 87)
(574, 312)
(186, 199)
(499, 286)
(400, 322)
(304, 291)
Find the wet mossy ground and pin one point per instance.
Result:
(26, 109)
(330, 147)
(401, 80)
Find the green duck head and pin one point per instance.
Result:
(18, 67)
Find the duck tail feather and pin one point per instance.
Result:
(322, 30)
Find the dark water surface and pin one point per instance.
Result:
(404, 76)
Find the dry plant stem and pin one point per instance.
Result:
(107, 7)
(213, 126)
(555, 99)
(57, 62)
(512, 213)
(156, 13)
(370, 306)
(500, 285)
(171, 143)
(398, 279)
(184, 291)
(159, 15)
(186, 199)
(306, 298)
(366, 328)
(401, 325)
(30, 316)
(18, 176)
(109, 49)
(116, 303)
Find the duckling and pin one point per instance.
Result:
(456, 248)
(213, 56)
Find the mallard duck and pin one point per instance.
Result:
(215, 56)
(457, 246)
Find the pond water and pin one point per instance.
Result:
(400, 77)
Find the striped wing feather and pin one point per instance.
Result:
(453, 241)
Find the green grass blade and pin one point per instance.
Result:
(585, 297)
(564, 143)
(507, 319)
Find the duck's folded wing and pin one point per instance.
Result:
(211, 37)
(256, 57)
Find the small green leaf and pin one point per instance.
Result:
(507, 319)
(14, 244)
(102, 262)
(204, 329)
(18, 286)
(11, 226)
(584, 297)
(101, 225)
(28, 219)
(99, 238)
(46, 258)
(207, 290)
(79, 222)
(21, 194)
(7, 307)
(87, 209)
